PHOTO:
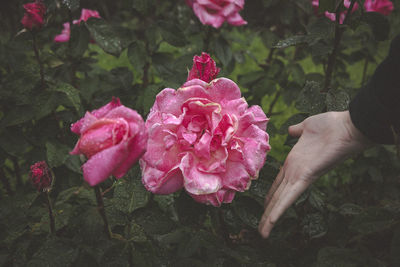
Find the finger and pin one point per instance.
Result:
(275, 197)
(288, 196)
(296, 130)
(274, 186)
(271, 204)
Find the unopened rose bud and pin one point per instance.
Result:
(34, 15)
(40, 176)
(204, 68)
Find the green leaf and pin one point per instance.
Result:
(137, 55)
(379, 25)
(291, 41)
(57, 154)
(105, 36)
(331, 256)
(153, 221)
(320, 29)
(55, 252)
(337, 100)
(314, 225)
(18, 115)
(14, 142)
(327, 5)
(316, 199)
(45, 103)
(137, 233)
(297, 74)
(79, 40)
(142, 5)
(223, 51)
(350, 209)
(248, 211)
(130, 195)
(372, 220)
(310, 99)
(72, 93)
(395, 248)
(72, 4)
(172, 34)
(121, 78)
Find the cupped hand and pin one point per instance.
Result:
(324, 140)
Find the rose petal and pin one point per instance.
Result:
(215, 199)
(99, 167)
(196, 181)
(160, 182)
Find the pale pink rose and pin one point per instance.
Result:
(385, 7)
(205, 138)
(215, 12)
(113, 138)
(66, 32)
(204, 68)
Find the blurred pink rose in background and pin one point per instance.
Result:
(66, 32)
(204, 68)
(204, 137)
(332, 16)
(215, 12)
(113, 138)
(34, 15)
(385, 7)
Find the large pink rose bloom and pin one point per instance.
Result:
(205, 138)
(112, 138)
(215, 12)
(66, 32)
(385, 7)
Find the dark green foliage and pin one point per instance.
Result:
(349, 217)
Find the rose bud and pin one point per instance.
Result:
(204, 68)
(34, 15)
(112, 138)
(40, 176)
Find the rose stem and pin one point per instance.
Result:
(5, 182)
(51, 217)
(17, 171)
(37, 55)
(339, 30)
(100, 206)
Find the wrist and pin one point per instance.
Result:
(355, 135)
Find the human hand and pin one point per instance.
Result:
(324, 140)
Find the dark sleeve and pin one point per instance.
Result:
(376, 108)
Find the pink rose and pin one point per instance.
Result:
(332, 16)
(205, 138)
(112, 138)
(385, 7)
(204, 68)
(66, 32)
(40, 176)
(215, 12)
(34, 15)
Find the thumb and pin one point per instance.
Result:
(296, 130)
